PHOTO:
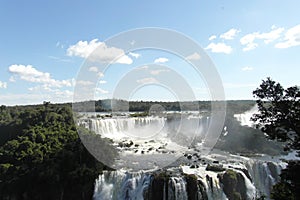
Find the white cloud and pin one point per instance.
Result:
(219, 48)
(161, 60)
(100, 74)
(98, 51)
(247, 68)
(291, 38)
(3, 85)
(101, 91)
(102, 82)
(30, 74)
(83, 48)
(212, 37)
(249, 40)
(143, 67)
(84, 83)
(194, 56)
(272, 35)
(93, 69)
(135, 55)
(124, 60)
(147, 80)
(132, 42)
(229, 35)
(12, 79)
(158, 71)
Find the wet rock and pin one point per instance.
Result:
(215, 168)
(233, 185)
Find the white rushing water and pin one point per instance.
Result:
(245, 118)
(254, 176)
(147, 142)
(119, 185)
(177, 188)
(117, 128)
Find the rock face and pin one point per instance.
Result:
(195, 188)
(233, 185)
(158, 187)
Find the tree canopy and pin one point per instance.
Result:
(279, 112)
(279, 118)
(42, 157)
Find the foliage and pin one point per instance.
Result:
(279, 112)
(41, 155)
(279, 118)
(289, 185)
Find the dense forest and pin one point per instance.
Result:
(41, 155)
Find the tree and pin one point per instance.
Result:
(279, 119)
(279, 112)
(44, 158)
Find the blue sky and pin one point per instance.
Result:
(44, 44)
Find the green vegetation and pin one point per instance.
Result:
(279, 118)
(193, 187)
(234, 185)
(41, 155)
(106, 105)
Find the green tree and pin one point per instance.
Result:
(42, 157)
(279, 118)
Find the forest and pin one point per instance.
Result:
(41, 154)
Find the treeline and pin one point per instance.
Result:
(107, 105)
(41, 155)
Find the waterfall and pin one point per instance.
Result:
(252, 179)
(245, 118)
(119, 127)
(232, 177)
(119, 185)
(264, 174)
(177, 189)
(250, 188)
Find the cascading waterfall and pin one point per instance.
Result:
(245, 118)
(251, 178)
(111, 127)
(212, 187)
(265, 174)
(119, 185)
(177, 189)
